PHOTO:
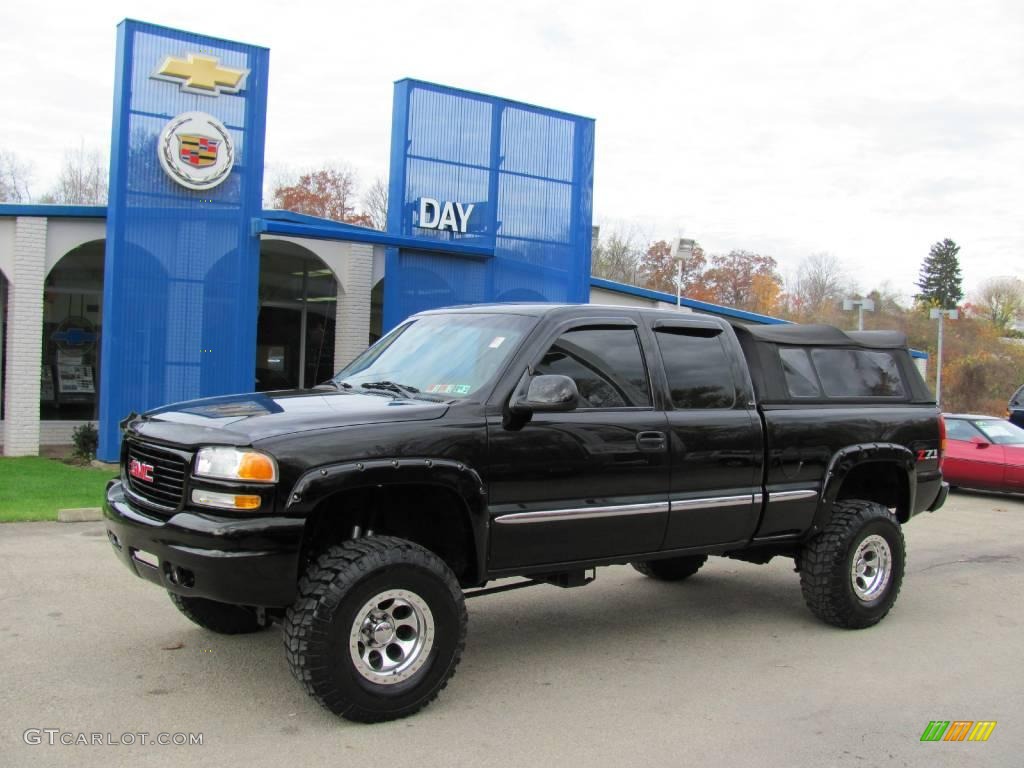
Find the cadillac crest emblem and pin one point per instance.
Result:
(196, 150)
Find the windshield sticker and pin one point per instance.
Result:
(450, 389)
(498, 341)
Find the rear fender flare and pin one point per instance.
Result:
(847, 459)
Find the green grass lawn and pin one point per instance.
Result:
(34, 488)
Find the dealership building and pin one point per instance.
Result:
(183, 286)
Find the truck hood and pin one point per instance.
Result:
(245, 419)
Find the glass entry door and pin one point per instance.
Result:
(295, 329)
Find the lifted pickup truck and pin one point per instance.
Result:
(531, 441)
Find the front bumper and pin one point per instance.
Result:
(245, 561)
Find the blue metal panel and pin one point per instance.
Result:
(54, 211)
(182, 266)
(529, 173)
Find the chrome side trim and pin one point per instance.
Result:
(713, 502)
(582, 513)
(809, 493)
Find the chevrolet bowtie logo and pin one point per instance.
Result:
(201, 74)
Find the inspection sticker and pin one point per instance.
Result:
(450, 389)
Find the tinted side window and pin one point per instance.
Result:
(1018, 398)
(698, 367)
(605, 363)
(857, 373)
(800, 378)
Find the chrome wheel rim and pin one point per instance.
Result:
(391, 636)
(871, 568)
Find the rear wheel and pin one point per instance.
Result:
(222, 618)
(673, 568)
(851, 572)
(377, 630)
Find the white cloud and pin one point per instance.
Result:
(869, 130)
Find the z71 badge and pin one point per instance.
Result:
(926, 454)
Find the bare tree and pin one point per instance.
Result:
(15, 176)
(617, 257)
(820, 284)
(1001, 301)
(375, 204)
(82, 179)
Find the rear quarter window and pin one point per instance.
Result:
(841, 373)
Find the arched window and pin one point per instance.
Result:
(72, 324)
(3, 339)
(296, 325)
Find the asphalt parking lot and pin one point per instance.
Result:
(728, 668)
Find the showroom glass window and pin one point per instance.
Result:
(72, 324)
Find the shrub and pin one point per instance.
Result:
(85, 438)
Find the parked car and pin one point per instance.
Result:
(1015, 408)
(983, 452)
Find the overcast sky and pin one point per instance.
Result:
(865, 129)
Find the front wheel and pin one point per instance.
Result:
(377, 630)
(851, 572)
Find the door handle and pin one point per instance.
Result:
(652, 442)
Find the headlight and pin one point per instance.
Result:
(224, 463)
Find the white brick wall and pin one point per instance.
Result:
(352, 326)
(23, 347)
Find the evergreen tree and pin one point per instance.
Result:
(940, 281)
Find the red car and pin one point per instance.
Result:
(983, 452)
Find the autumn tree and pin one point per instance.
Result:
(730, 279)
(1001, 302)
(15, 176)
(940, 281)
(659, 271)
(375, 204)
(329, 193)
(82, 179)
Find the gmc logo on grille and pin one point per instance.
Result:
(141, 471)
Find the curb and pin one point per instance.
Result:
(81, 515)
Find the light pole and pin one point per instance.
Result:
(682, 249)
(862, 305)
(939, 314)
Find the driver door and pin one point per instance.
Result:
(592, 482)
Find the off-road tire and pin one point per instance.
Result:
(671, 569)
(222, 618)
(333, 594)
(826, 565)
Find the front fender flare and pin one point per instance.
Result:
(317, 484)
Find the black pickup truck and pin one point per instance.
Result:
(531, 441)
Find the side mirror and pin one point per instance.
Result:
(979, 442)
(548, 393)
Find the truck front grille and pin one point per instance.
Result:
(167, 469)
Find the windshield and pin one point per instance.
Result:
(1001, 432)
(438, 356)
